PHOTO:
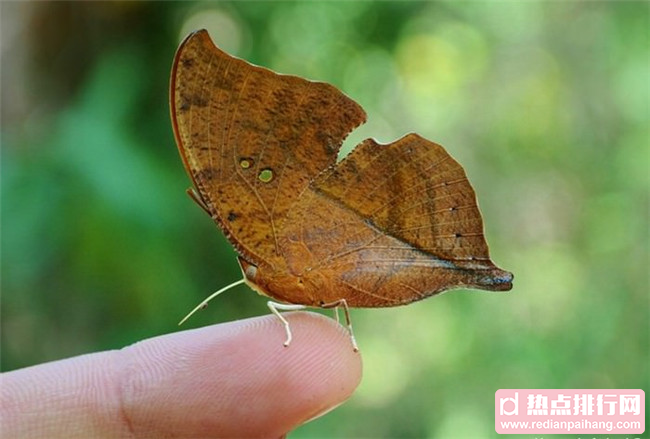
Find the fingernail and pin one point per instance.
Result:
(324, 412)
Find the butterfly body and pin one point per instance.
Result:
(388, 225)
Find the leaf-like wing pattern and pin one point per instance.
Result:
(388, 225)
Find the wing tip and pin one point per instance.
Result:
(496, 280)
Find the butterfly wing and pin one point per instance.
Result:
(401, 223)
(252, 140)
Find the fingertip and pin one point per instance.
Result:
(325, 365)
(237, 379)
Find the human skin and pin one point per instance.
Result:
(229, 380)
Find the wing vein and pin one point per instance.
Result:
(377, 296)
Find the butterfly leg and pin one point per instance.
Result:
(336, 314)
(276, 308)
(194, 195)
(346, 311)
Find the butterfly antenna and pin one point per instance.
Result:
(212, 296)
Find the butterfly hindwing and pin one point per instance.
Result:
(401, 222)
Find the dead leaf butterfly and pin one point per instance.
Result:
(386, 226)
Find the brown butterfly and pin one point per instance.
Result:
(388, 225)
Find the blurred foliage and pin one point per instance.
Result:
(545, 103)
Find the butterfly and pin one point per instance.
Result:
(388, 225)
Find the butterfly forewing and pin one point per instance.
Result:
(252, 140)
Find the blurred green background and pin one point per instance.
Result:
(546, 104)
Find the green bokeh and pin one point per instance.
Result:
(546, 104)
